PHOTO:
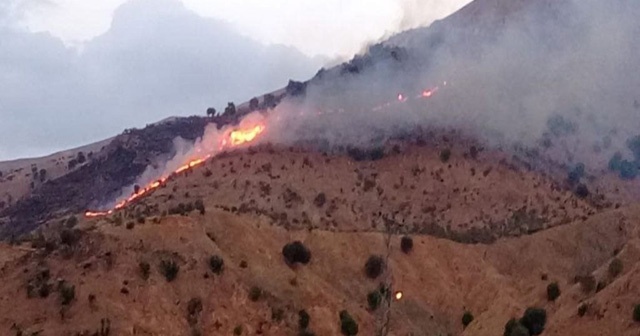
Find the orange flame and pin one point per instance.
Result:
(398, 296)
(235, 138)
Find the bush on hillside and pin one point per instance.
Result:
(348, 325)
(467, 318)
(445, 155)
(169, 269)
(534, 319)
(303, 319)
(296, 252)
(406, 244)
(636, 313)
(374, 299)
(374, 266)
(216, 264)
(553, 291)
(615, 267)
(67, 293)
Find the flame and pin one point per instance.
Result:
(398, 295)
(234, 138)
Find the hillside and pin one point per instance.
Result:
(439, 278)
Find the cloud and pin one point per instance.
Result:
(157, 60)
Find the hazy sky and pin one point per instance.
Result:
(327, 27)
(140, 61)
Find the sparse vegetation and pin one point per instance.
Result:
(296, 252)
(445, 155)
(582, 309)
(534, 319)
(406, 244)
(615, 267)
(216, 264)
(67, 293)
(255, 293)
(374, 266)
(374, 298)
(636, 313)
(303, 319)
(145, 269)
(467, 318)
(553, 291)
(169, 269)
(348, 325)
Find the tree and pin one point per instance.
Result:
(467, 318)
(296, 252)
(615, 267)
(374, 266)
(216, 264)
(254, 104)
(553, 291)
(406, 244)
(348, 325)
(211, 112)
(230, 109)
(534, 319)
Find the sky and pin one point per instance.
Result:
(74, 72)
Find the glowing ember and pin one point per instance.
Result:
(401, 97)
(398, 296)
(234, 138)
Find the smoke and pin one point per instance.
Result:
(545, 70)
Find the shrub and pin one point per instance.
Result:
(348, 325)
(467, 318)
(303, 319)
(169, 269)
(130, 225)
(255, 293)
(636, 313)
(216, 264)
(582, 191)
(145, 269)
(374, 266)
(194, 307)
(582, 310)
(587, 283)
(69, 237)
(67, 293)
(374, 299)
(406, 244)
(553, 291)
(237, 331)
(615, 267)
(296, 252)
(320, 200)
(71, 221)
(445, 155)
(199, 205)
(534, 319)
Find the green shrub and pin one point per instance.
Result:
(615, 267)
(553, 291)
(255, 293)
(374, 299)
(296, 252)
(636, 313)
(406, 244)
(145, 269)
(303, 319)
(467, 318)
(169, 269)
(445, 155)
(216, 264)
(534, 319)
(374, 266)
(582, 310)
(67, 293)
(348, 325)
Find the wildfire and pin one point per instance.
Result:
(233, 139)
(398, 295)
